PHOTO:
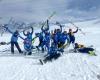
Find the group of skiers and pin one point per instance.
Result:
(53, 42)
(27, 40)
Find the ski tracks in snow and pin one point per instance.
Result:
(82, 68)
(94, 69)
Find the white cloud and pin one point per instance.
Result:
(39, 10)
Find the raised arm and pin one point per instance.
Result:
(60, 27)
(42, 27)
(32, 30)
(47, 25)
(76, 30)
(24, 33)
(46, 29)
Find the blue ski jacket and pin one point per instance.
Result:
(59, 35)
(29, 34)
(63, 38)
(46, 29)
(71, 36)
(27, 44)
(52, 50)
(55, 39)
(40, 35)
(15, 35)
(47, 38)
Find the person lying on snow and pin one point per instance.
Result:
(53, 53)
(82, 49)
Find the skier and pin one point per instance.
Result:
(45, 29)
(62, 37)
(40, 35)
(14, 40)
(28, 34)
(44, 37)
(71, 36)
(28, 41)
(62, 41)
(53, 53)
(81, 48)
(47, 40)
(28, 46)
(57, 35)
(54, 38)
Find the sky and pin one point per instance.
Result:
(39, 10)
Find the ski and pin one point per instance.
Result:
(49, 18)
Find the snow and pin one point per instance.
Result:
(70, 66)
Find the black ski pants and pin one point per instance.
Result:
(85, 50)
(17, 46)
(53, 56)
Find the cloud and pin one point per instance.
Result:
(84, 8)
(39, 10)
(84, 5)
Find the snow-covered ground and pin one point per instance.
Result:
(70, 66)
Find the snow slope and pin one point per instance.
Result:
(70, 66)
